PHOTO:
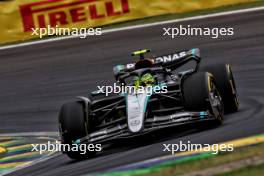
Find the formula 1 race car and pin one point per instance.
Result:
(188, 95)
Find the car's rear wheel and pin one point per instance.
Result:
(73, 125)
(201, 94)
(226, 85)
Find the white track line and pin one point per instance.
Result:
(30, 134)
(45, 158)
(53, 134)
(138, 26)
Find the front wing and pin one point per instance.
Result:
(150, 125)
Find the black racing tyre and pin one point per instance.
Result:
(226, 85)
(73, 126)
(200, 94)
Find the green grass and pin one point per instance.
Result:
(247, 171)
(224, 158)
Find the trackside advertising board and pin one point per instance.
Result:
(19, 17)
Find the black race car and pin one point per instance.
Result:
(193, 94)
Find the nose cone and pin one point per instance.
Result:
(136, 108)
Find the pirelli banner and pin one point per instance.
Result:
(19, 17)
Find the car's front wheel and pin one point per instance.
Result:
(73, 126)
(226, 85)
(201, 94)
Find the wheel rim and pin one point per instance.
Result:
(233, 85)
(215, 100)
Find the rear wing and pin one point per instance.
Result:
(169, 61)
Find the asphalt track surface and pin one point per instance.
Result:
(36, 80)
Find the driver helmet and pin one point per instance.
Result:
(144, 63)
(146, 80)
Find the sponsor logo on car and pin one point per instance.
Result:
(170, 57)
(164, 59)
(134, 122)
